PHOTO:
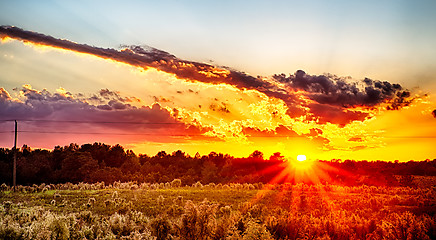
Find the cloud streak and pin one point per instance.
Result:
(325, 98)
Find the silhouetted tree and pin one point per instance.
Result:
(116, 156)
(209, 172)
(78, 166)
(101, 162)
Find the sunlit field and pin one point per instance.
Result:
(217, 211)
(115, 194)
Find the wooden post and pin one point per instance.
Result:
(14, 180)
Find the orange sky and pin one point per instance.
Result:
(175, 104)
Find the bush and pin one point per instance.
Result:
(59, 229)
(176, 183)
(197, 222)
(161, 228)
(120, 225)
(10, 231)
(256, 231)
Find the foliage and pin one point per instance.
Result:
(100, 162)
(161, 228)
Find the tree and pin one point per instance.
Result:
(209, 172)
(78, 166)
(256, 156)
(99, 151)
(277, 157)
(131, 165)
(107, 175)
(116, 156)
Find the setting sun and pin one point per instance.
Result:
(301, 158)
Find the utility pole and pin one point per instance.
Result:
(14, 180)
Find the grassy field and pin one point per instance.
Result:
(234, 211)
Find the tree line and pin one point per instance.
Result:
(101, 162)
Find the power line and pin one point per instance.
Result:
(178, 135)
(147, 134)
(108, 133)
(99, 122)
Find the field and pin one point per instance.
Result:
(216, 211)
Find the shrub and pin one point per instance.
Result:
(10, 231)
(59, 229)
(160, 200)
(4, 187)
(161, 228)
(91, 202)
(115, 195)
(109, 203)
(406, 226)
(197, 185)
(146, 235)
(225, 211)
(7, 205)
(198, 221)
(119, 224)
(256, 231)
(178, 200)
(138, 218)
(285, 227)
(176, 183)
(87, 217)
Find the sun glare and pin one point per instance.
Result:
(301, 158)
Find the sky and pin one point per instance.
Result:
(325, 79)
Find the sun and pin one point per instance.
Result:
(302, 165)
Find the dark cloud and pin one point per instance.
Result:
(107, 94)
(327, 92)
(434, 113)
(327, 113)
(333, 90)
(104, 107)
(118, 105)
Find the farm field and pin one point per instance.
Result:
(216, 211)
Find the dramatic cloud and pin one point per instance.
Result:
(326, 98)
(333, 90)
(44, 111)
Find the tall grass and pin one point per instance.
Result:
(233, 211)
